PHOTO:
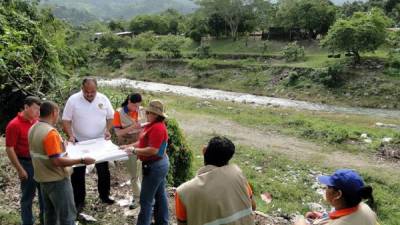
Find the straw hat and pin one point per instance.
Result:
(156, 107)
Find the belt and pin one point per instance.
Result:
(25, 158)
(149, 162)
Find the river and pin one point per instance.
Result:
(244, 98)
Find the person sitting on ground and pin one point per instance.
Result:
(127, 128)
(345, 191)
(219, 194)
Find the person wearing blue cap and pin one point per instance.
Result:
(345, 190)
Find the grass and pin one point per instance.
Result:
(361, 87)
(339, 130)
(291, 182)
(280, 177)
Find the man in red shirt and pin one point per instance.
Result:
(17, 148)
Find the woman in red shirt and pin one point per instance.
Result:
(151, 150)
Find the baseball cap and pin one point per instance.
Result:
(346, 180)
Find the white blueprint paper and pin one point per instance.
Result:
(100, 149)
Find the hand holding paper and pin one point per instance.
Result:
(99, 150)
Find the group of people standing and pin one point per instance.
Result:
(218, 194)
(37, 151)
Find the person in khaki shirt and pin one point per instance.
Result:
(345, 190)
(219, 193)
(51, 167)
(127, 127)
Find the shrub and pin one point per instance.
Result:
(293, 52)
(292, 78)
(337, 136)
(166, 73)
(145, 41)
(156, 55)
(172, 45)
(203, 51)
(331, 76)
(180, 156)
(117, 63)
(201, 64)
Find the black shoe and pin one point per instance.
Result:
(79, 208)
(108, 200)
(133, 205)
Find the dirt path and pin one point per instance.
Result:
(195, 125)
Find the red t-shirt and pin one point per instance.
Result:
(154, 135)
(17, 135)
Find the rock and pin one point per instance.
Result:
(364, 136)
(258, 168)
(313, 206)
(378, 124)
(386, 139)
(368, 141)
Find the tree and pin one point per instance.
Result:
(315, 16)
(363, 32)
(116, 25)
(173, 19)
(216, 25)
(172, 45)
(113, 46)
(31, 42)
(145, 41)
(143, 23)
(349, 8)
(197, 26)
(264, 12)
(232, 11)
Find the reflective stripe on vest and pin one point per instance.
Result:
(42, 156)
(231, 218)
(38, 155)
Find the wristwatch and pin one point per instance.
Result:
(133, 150)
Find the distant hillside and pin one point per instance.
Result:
(116, 9)
(72, 15)
(340, 2)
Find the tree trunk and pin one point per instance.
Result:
(357, 57)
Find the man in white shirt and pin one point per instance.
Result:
(89, 115)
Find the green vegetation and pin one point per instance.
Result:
(315, 16)
(328, 128)
(293, 52)
(181, 157)
(35, 55)
(361, 33)
(287, 178)
(42, 55)
(104, 9)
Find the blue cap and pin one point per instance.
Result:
(346, 180)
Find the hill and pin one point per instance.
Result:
(126, 9)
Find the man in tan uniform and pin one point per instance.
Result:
(51, 167)
(219, 194)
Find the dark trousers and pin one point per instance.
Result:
(60, 208)
(28, 191)
(78, 183)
